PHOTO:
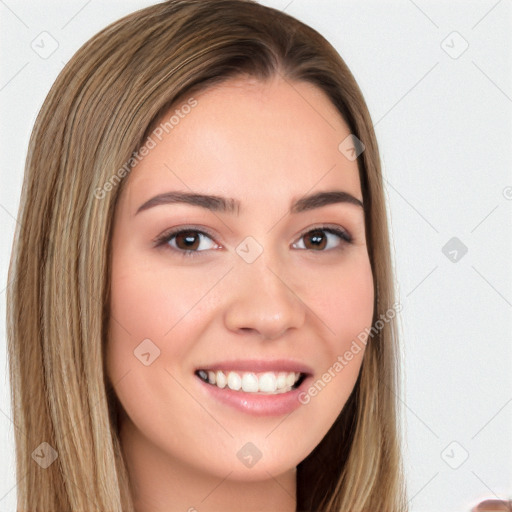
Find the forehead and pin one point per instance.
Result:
(258, 141)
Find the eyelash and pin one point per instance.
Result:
(166, 237)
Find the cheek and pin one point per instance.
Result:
(151, 330)
(343, 299)
(351, 315)
(344, 302)
(352, 301)
(156, 316)
(144, 306)
(154, 303)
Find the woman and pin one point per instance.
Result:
(152, 372)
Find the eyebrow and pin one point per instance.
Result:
(230, 205)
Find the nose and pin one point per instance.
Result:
(263, 302)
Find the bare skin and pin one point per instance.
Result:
(265, 145)
(494, 505)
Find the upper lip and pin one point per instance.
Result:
(259, 365)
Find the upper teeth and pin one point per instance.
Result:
(250, 382)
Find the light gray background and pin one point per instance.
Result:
(444, 125)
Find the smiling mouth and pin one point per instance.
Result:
(261, 383)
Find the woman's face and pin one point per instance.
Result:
(267, 285)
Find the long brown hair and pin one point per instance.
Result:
(95, 118)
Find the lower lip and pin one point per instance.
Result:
(255, 404)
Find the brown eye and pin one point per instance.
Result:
(317, 239)
(187, 240)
